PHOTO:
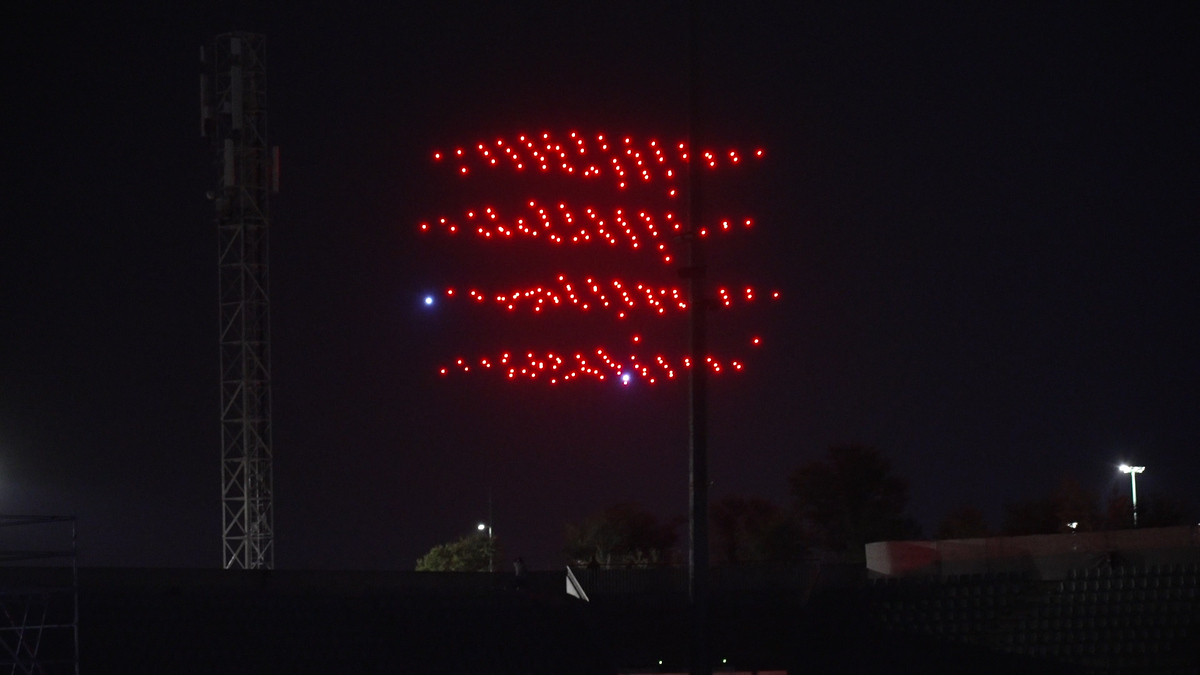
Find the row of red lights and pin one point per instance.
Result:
(626, 162)
(599, 365)
(615, 295)
(561, 224)
(624, 158)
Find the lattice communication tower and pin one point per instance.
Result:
(39, 595)
(234, 118)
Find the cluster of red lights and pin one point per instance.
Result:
(561, 224)
(622, 162)
(615, 295)
(598, 365)
(624, 159)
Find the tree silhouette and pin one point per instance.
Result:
(754, 531)
(1119, 511)
(1164, 511)
(1072, 503)
(622, 535)
(1153, 511)
(472, 553)
(851, 498)
(1069, 503)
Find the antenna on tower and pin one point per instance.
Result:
(233, 116)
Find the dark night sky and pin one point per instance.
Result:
(983, 221)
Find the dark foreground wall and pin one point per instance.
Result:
(827, 620)
(216, 621)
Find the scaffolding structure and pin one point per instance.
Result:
(234, 117)
(39, 600)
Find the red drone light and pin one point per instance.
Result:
(562, 224)
(627, 166)
(597, 364)
(615, 295)
(647, 157)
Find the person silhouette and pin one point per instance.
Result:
(522, 574)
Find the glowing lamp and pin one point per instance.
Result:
(1133, 471)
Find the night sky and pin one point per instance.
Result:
(982, 220)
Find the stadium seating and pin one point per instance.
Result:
(1105, 619)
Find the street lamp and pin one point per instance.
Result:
(1133, 471)
(491, 553)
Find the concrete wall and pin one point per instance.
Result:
(1047, 555)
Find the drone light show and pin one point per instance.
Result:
(622, 161)
(622, 298)
(634, 208)
(560, 224)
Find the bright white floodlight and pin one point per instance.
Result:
(484, 527)
(1133, 471)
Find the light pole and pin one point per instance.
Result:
(491, 553)
(1133, 471)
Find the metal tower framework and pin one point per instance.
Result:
(234, 117)
(39, 604)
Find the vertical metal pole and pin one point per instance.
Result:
(1133, 483)
(75, 593)
(700, 664)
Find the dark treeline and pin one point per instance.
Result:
(838, 503)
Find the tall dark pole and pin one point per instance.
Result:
(701, 664)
